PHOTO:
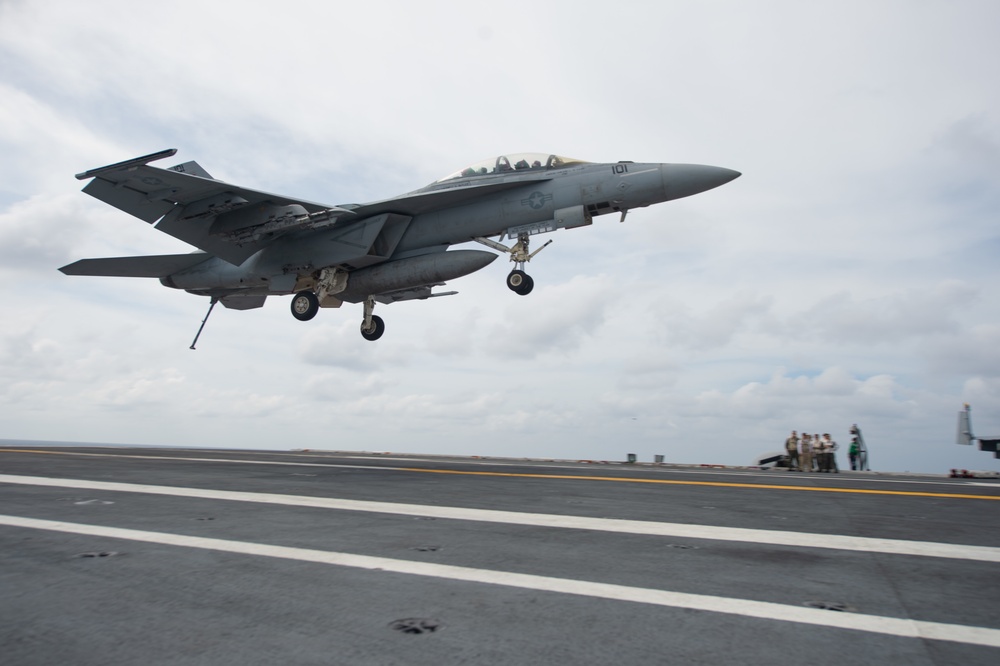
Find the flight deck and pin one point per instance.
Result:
(115, 555)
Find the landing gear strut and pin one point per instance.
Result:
(518, 281)
(372, 326)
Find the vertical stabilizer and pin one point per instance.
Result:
(964, 435)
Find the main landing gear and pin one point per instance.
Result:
(305, 305)
(372, 326)
(518, 281)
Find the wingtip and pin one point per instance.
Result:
(127, 164)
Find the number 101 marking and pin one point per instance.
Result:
(619, 168)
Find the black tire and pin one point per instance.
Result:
(526, 286)
(378, 328)
(516, 279)
(305, 305)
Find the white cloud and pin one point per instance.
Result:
(974, 351)
(140, 390)
(848, 276)
(717, 325)
(553, 319)
(41, 233)
(324, 344)
(890, 319)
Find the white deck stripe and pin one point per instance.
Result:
(237, 461)
(758, 609)
(650, 528)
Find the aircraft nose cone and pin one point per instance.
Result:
(683, 180)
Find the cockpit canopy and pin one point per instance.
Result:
(513, 162)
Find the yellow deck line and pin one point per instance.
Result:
(721, 484)
(575, 477)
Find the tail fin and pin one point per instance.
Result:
(964, 435)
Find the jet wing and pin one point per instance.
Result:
(150, 192)
(154, 266)
(188, 202)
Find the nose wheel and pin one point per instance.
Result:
(520, 282)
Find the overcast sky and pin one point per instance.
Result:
(849, 276)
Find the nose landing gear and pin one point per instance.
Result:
(517, 281)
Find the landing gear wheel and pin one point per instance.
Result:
(376, 331)
(516, 280)
(520, 282)
(305, 305)
(526, 286)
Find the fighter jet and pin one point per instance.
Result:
(253, 244)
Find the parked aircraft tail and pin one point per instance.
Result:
(964, 434)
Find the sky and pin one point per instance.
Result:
(849, 276)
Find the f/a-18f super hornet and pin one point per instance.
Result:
(252, 244)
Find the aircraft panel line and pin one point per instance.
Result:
(901, 627)
(648, 528)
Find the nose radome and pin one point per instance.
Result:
(683, 180)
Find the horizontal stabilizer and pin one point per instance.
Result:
(991, 444)
(154, 266)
